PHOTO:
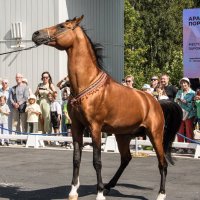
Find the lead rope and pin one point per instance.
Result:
(19, 50)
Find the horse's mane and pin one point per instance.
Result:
(97, 48)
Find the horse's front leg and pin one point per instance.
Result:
(96, 139)
(77, 134)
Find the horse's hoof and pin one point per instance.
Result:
(100, 196)
(106, 191)
(161, 196)
(73, 197)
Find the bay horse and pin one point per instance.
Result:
(99, 103)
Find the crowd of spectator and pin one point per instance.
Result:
(25, 111)
(186, 97)
(22, 110)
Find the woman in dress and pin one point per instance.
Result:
(42, 92)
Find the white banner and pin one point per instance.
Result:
(191, 42)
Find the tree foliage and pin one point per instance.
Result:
(153, 38)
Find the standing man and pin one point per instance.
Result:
(18, 97)
(169, 89)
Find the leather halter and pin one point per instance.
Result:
(94, 87)
(57, 34)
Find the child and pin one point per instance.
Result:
(56, 112)
(4, 113)
(33, 111)
(66, 121)
(147, 88)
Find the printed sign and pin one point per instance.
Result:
(191, 42)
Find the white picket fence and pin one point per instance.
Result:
(111, 145)
(37, 141)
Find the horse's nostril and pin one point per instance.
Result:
(37, 33)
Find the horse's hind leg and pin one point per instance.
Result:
(123, 142)
(77, 133)
(157, 143)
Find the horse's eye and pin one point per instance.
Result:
(62, 26)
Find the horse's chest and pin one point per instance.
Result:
(81, 113)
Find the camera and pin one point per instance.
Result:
(41, 88)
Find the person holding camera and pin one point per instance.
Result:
(42, 92)
(64, 84)
(18, 98)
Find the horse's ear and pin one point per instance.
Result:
(79, 19)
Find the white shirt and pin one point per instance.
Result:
(4, 117)
(163, 97)
(55, 106)
(32, 117)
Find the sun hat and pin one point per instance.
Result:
(185, 79)
(146, 86)
(32, 96)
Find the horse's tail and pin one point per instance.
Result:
(173, 117)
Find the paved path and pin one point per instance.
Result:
(32, 174)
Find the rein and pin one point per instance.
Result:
(51, 38)
(19, 50)
(94, 87)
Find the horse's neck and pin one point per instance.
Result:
(82, 65)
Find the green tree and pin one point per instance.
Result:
(157, 25)
(135, 49)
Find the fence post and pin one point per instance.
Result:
(111, 144)
(197, 152)
(33, 141)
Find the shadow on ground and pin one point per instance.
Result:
(17, 193)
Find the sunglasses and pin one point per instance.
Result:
(153, 79)
(5, 82)
(128, 81)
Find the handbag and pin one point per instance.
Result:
(22, 107)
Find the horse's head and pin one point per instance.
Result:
(60, 36)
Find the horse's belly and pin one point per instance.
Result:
(120, 129)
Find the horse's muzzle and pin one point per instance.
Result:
(40, 37)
